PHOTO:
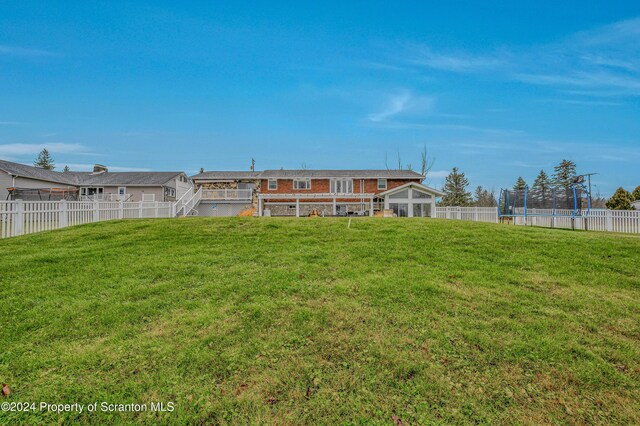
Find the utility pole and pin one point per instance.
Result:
(253, 165)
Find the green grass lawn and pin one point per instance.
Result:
(303, 321)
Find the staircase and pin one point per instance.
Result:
(185, 206)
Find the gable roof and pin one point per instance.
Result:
(124, 178)
(89, 178)
(309, 174)
(425, 188)
(22, 170)
(227, 175)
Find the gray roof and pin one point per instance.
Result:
(39, 173)
(363, 174)
(315, 174)
(124, 178)
(227, 175)
(88, 178)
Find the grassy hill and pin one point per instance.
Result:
(293, 321)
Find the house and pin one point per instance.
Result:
(226, 193)
(328, 192)
(636, 204)
(19, 181)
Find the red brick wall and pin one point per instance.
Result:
(323, 186)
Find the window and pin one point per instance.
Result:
(342, 186)
(92, 193)
(170, 192)
(272, 184)
(420, 194)
(382, 184)
(301, 184)
(122, 190)
(404, 194)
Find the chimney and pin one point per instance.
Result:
(99, 168)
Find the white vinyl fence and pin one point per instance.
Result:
(475, 214)
(26, 217)
(626, 221)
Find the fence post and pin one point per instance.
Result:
(96, 212)
(18, 225)
(140, 209)
(476, 214)
(156, 209)
(459, 213)
(609, 220)
(121, 210)
(63, 218)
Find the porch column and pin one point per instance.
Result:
(259, 206)
(297, 206)
(335, 210)
(371, 206)
(386, 202)
(410, 203)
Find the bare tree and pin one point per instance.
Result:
(427, 161)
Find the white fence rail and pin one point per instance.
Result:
(626, 221)
(26, 217)
(476, 214)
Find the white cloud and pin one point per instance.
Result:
(456, 61)
(20, 149)
(89, 167)
(24, 52)
(604, 61)
(400, 103)
(438, 173)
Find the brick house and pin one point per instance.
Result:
(329, 192)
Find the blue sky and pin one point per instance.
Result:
(498, 90)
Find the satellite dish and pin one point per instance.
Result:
(579, 179)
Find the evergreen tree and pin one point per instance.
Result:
(44, 160)
(564, 174)
(455, 190)
(66, 169)
(542, 182)
(484, 198)
(520, 184)
(635, 195)
(621, 200)
(543, 188)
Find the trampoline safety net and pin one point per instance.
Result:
(570, 201)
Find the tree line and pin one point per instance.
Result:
(564, 174)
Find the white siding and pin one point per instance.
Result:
(182, 187)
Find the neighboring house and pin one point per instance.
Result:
(226, 193)
(636, 204)
(329, 192)
(19, 181)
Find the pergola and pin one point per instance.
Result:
(316, 196)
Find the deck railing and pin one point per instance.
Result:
(227, 194)
(190, 204)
